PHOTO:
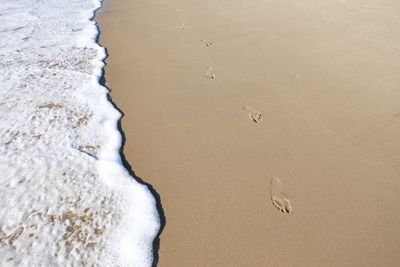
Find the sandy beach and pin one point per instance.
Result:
(269, 129)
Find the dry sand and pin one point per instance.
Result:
(270, 129)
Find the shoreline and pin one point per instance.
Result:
(262, 148)
(124, 161)
(67, 199)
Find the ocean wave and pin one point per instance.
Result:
(66, 198)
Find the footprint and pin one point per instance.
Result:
(210, 74)
(278, 198)
(178, 11)
(254, 114)
(183, 27)
(206, 42)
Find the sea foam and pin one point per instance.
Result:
(65, 197)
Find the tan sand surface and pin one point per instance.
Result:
(270, 129)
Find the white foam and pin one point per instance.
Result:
(65, 198)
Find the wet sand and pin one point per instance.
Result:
(270, 129)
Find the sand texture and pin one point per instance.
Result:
(270, 129)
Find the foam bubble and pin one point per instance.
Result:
(66, 198)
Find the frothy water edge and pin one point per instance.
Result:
(66, 197)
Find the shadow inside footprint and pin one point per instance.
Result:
(254, 114)
(278, 198)
(206, 42)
